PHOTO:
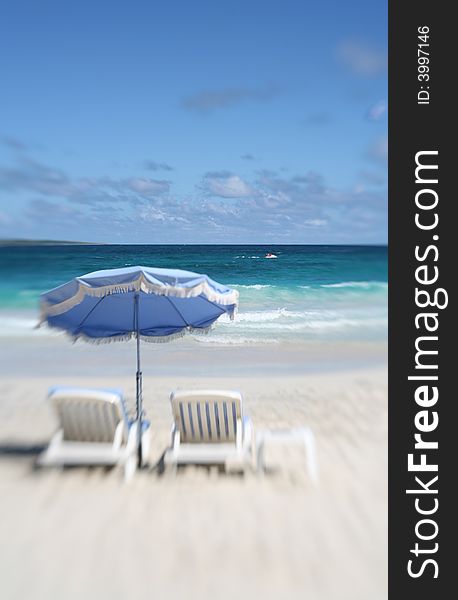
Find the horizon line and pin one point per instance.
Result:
(51, 242)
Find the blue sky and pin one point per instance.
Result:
(194, 122)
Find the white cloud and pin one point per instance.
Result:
(228, 186)
(209, 100)
(377, 110)
(146, 186)
(362, 59)
(316, 222)
(155, 214)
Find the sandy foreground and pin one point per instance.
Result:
(83, 533)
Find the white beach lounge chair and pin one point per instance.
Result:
(94, 430)
(209, 428)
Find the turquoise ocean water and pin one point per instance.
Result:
(307, 293)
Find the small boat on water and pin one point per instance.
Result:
(270, 255)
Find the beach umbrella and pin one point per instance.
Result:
(145, 303)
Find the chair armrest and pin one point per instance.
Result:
(118, 436)
(56, 439)
(175, 439)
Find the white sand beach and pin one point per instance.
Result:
(83, 533)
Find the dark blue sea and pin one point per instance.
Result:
(306, 293)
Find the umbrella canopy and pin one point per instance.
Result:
(146, 303)
(101, 306)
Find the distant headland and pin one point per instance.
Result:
(27, 242)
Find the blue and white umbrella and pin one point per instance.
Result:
(155, 305)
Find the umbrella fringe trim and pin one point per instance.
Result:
(124, 337)
(141, 284)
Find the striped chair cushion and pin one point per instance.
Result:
(206, 416)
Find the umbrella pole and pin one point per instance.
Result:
(139, 392)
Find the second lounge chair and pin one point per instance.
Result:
(209, 428)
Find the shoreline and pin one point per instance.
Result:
(58, 356)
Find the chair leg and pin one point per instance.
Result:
(310, 450)
(146, 446)
(260, 462)
(172, 469)
(130, 467)
(170, 463)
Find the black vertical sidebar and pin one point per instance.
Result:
(429, 127)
